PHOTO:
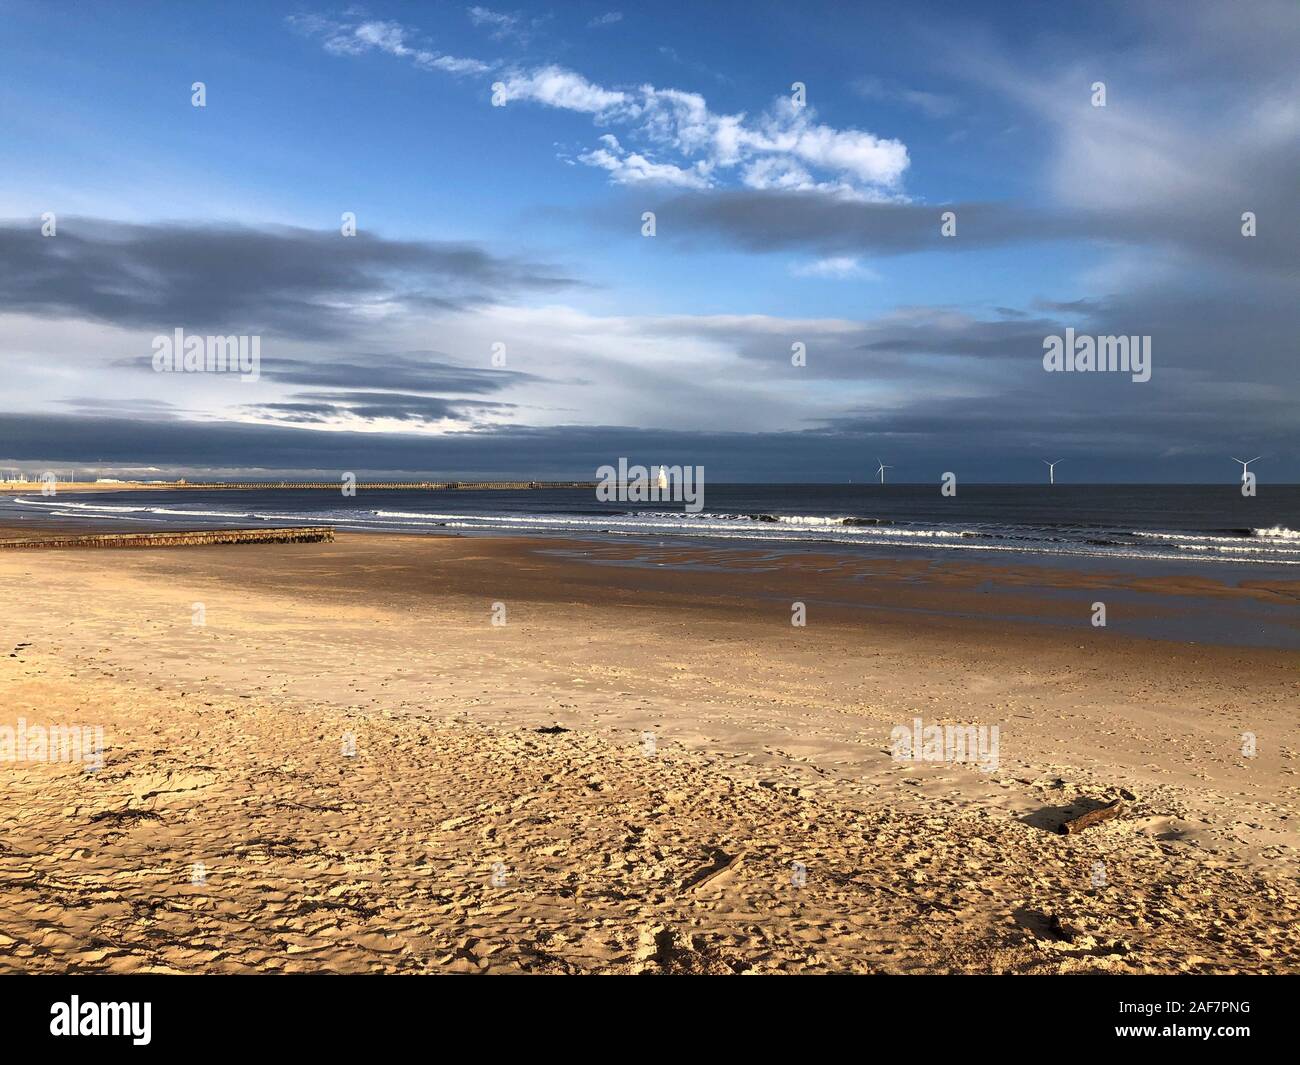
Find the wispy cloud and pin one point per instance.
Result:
(504, 25)
(931, 104)
(836, 267)
(390, 38)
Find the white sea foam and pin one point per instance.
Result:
(72, 505)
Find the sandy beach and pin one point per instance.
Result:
(349, 767)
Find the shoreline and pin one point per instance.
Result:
(1222, 605)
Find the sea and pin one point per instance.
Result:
(1156, 528)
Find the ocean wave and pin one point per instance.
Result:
(407, 514)
(850, 521)
(776, 519)
(1247, 540)
(93, 507)
(201, 513)
(1276, 545)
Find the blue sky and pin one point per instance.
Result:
(777, 223)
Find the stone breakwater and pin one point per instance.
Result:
(59, 487)
(387, 485)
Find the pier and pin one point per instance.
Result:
(58, 487)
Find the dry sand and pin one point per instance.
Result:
(504, 811)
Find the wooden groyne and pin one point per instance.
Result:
(298, 535)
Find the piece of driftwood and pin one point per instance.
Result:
(722, 863)
(1092, 817)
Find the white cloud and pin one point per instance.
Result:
(455, 65)
(503, 26)
(498, 21)
(671, 372)
(836, 267)
(557, 87)
(774, 151)
(340, 38)
(862, 156)
(776, 173)
(784, 147)
(607, 19)
(632, 168)
(386, 35)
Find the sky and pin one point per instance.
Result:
(867, 221)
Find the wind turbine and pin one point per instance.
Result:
(1245, 464)
(1051, 470)
(883, 468)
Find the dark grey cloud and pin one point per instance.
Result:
(979, 441)
(1235, 45)
(411, 371)
(769, 220)
(938, 332)
(308, 407)
(406, 371)
(227, 279)
(765, 220)
(893, 346)
(1079, 306)
(963, 381)
(1095, 418)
